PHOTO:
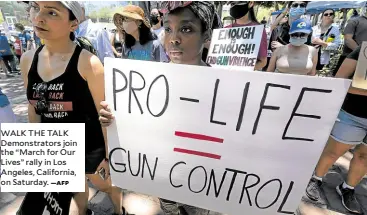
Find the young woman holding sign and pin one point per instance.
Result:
(188, 26)
(61, 74)
(349, 130)
(244, 15)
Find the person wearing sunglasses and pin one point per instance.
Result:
(350, 130)
(65, 84)
(244, 15)
(325, 38)
(294, 11)
(140, 42)
(296, 57)
(354, 34)
(188, 26)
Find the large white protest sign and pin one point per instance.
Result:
(360, 75)
(228, 141)
(235, 47)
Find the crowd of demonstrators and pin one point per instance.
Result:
(295, 57)
(80, 73)
(140, 41)
(179, 32)
(295, 10)
(325, 38)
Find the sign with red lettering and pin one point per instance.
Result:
(227, 141)
(236, 48)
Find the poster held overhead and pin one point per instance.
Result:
(235, 48)
(224, 140)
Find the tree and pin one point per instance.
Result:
(105, 13)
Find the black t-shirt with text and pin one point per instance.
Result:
(355, 104)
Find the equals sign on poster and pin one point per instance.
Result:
(198, 137)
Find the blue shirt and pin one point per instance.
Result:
(24, 37)
(4, 45)
(98, 37)
(4, 101)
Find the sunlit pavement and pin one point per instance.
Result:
(139, 204)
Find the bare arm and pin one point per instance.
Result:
(92, 70)
(273, 60)
(25, 64)
(261, 63)
(345, 71)
(348, 38)
(315, 59)
(277, 21)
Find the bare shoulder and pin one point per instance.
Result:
(26, 61)
(89, 64)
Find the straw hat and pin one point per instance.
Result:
(132, 12)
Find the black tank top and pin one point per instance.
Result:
(68, 99)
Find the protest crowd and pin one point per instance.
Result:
(65, 48)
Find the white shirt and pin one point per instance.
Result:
(325, 52)
(98, 37)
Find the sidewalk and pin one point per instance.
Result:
(144, 205)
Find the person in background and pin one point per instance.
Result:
(188, 26)
(296, 57)
(24, 36)
(264, 22)
(6, 55)
(350, 130)
(244, 15)
(148, 7)
(325, 38)
(97, 36)
(117, 41)
(18, 47)
(355, 14)
(6, 112)
(354, 34)
(296, 10)
(80, 74)
(156, 22)
(140, 42)
(275, 28)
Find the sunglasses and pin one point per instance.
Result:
(328, 14)
(301, 35)
(295, 5)
(42, 103)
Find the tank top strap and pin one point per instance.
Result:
(35, 61)
(73, 63)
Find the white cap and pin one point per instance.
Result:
(75, 8)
